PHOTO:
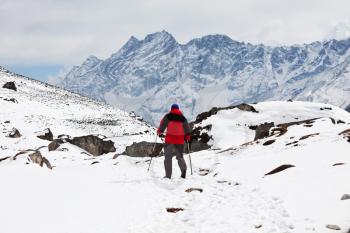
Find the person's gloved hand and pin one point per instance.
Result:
(187, 137)
(160, 133)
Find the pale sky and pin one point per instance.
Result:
(39, 34)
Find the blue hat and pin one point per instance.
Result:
(175, 106)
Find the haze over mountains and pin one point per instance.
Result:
(147, 76)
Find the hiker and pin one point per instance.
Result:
(177, 132)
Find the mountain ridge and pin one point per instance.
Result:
(147, 75)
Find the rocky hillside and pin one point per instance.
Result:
(34, 115)
(148, 75)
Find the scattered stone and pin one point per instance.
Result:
(345, 197)
(45, 135)
(269, 142)
(55, 144)
(257, 226)
(7, 122)
(309, 135)
(144, 149)
(4, 158)
(292, 143)
(14, 133)
(346, 134)
(279, 169)
(263, 130)
(13, 100)
(10, 85)
(94, 162)
(340, 122)
(37, 158)
(93, 144)
(116, 156)
(333, 227)
(326, 108)
(203, 172)
(194, 189)
(174, 210)
(338, 164)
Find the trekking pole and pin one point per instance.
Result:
(154, 146)
(189, 154)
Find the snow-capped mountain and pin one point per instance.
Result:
(148, 75)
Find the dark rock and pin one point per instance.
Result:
(345, 197)
(4, 158)
(338, 164)
(13, 100)
(174, 210)
(215, 110)
(7, 122)
(340, 122)
(263, 130)
(346, 134)
(279, 169)
(194, 189)
(15, 133)
(94, 162)
(309, 135)
(46, 135)
(93, 144)
(333, 227)
(37, 158)
(326, 108)
(10, 85)
(55, 144)
(203, 172)
(269, 142)
(347, 108)
(143, 149)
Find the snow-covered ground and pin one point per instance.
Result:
(85, 194)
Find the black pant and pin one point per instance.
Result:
(169, 151)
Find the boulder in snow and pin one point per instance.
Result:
(279, 169)
(174, 210)
(263, 130)
(269, 142)
(143, 149)
(93, 144)
(55, 144)
(346, 134)
(45, 135)
(333, 227)
(37, 158)
(10, 85)
(345, 197)
(14, 133)
(194, 189)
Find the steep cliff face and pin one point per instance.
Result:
(148, 75)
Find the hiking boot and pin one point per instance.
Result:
(183, 174)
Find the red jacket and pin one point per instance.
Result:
(176, 126)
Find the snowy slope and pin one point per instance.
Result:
(119, 195)
(148, 75)
(39, 106)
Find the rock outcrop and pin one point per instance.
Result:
(10, 85)
(45, 135)
(37, 158)
(144, 149)
(14, 133)
(93, 144)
